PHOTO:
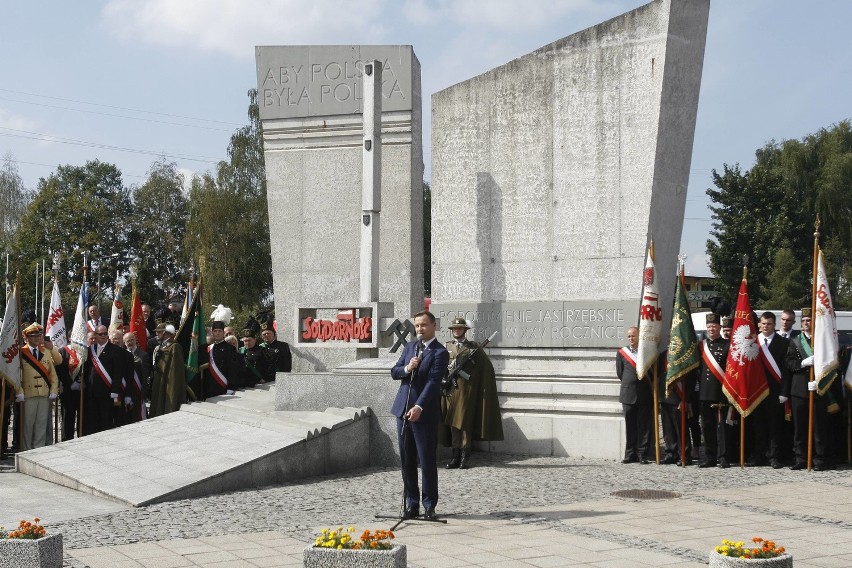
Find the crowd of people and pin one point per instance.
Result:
(777, 429)
(119, 382)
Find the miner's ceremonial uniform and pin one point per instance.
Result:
(280, 358)
(39, 388)
(713, 403)
(221, 374)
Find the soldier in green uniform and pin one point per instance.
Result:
(470, 408)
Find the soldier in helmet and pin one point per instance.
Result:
(470, 407)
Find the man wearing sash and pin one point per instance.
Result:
(714, 355)
(796, 387)
(104, 370)
(221, 373)
(39, 387)
(767, 426)
(637, 401)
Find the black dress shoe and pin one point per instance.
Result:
(629, 460)
(411, 513)
(819, 467)
(757, 463)
(723, 463)
(688, 462)
(430, 515)
(798, 467)
(643, 461)
(776, 464)
(707, 463)
(669, 460)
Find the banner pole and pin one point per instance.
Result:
(814, 336)
(656, 414)
(683, 424)
(742, 440)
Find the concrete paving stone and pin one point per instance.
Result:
(141, 550)
(166, 562)
(211, 556)
(275, 561)
(550, 561)
(507, 564)
(227, 564)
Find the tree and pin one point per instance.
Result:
(75, 210)
(13, 201)
(157, 230)
(774, 205)
(784, 283)
(228, 223)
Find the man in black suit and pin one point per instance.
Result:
(417, 407)
(637, 402)
(798, 383)
(95, 318)
(104, 370)
(221, 376)
(767, 425)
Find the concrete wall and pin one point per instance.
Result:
(312, 129)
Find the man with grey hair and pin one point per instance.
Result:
(104, 371)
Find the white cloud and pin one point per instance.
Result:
(15, 121)
(496, 15)
(234, 27)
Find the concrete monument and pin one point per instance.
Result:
(311, 101)
(564, 163)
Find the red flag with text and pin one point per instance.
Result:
(745, 379)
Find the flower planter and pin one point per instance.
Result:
(27, 553)
(315, 557)
(720, 561)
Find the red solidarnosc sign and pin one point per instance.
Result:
(344, 328)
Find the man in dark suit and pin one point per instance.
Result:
(637, 402)
(417, 407)
(796, 387)
(104, 370)
(95, 318)
(221, 375)
(767, 425)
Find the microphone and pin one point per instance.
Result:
(419, 349)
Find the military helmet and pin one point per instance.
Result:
(459, 322)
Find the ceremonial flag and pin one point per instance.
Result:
(80, 330)
(683, 355)
(192, 331)
(745, 378)
(137, 321)
(116, 320)
(56, 319)
(10, 338)
(847, 380)
(650, 318)
(826, 344)
(187, 302)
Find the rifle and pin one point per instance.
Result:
(451, 380)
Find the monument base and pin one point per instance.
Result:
(560, 402)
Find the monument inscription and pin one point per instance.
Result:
(327, 80)
(545, 324)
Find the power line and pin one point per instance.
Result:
(122, 108)
(151, 120)
(27, 135)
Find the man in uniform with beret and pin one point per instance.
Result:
(39, 387)
(714, 356)
(470, 407)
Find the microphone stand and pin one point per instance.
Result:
(403, 432)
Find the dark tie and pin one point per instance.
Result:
(766, 341)
(35, 353)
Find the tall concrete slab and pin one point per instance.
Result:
(553, 172)
(310, 100)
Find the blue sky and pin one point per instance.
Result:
(124, 81)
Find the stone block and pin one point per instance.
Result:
(25, 553)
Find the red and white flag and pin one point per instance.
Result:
(745, 378)
(116, 320)
(10, 362)
(56, 319)
(137, 321)
(80, 330)
(650, 318)
(826, 344)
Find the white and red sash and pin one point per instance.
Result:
(214, 369)
(628, 356)
(99, 367)
(769, 362)
(712, 363)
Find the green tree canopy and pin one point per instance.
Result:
(774, 206)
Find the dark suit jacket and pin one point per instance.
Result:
(633, 391)
(426, 386)
(710, 389)
(778, 349)
(115, 363)
(796, 380)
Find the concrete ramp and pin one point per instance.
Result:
(227, 443)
